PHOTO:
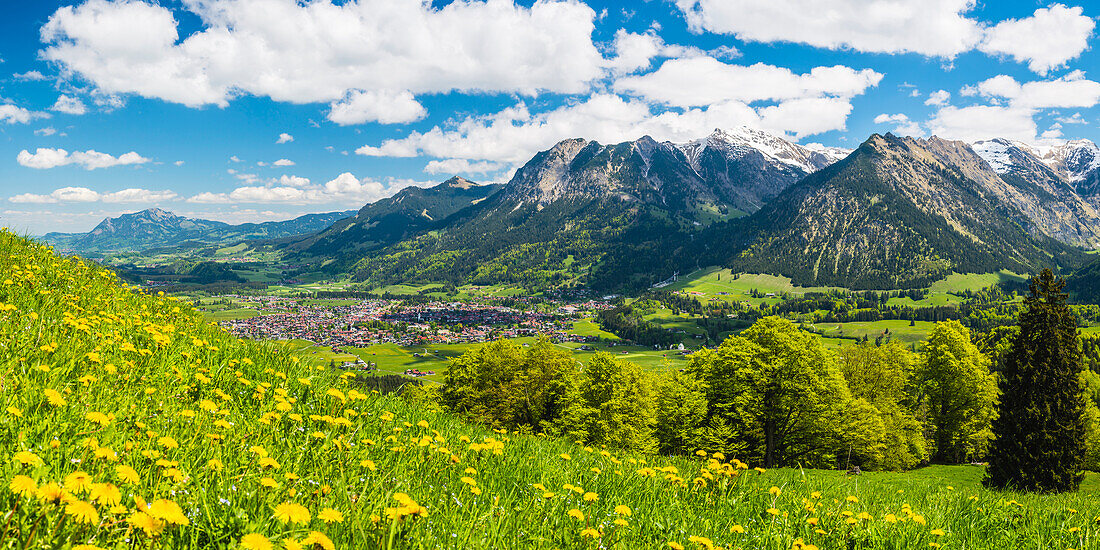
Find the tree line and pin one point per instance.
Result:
(774, 395)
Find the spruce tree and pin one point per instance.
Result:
(1040, 433)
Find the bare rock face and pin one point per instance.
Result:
(1043, 190)
(741, 169)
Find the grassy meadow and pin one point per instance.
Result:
(129, 421)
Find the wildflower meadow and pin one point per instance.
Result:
(129, 422)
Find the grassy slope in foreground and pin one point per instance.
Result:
(220, 433)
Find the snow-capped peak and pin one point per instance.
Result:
(741, 140)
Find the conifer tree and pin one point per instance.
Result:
(1040, 433)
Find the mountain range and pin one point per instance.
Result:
(156, 228)
(895, 212)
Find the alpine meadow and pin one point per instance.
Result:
(553, 274)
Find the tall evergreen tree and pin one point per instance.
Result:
(1040, 433)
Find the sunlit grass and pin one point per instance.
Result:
(127, 421)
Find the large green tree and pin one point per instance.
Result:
(501, 384)
(882, 376)
(775, 388)
(958, 392)
(1041, 428)
(611, 403)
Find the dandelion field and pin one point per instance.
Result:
(127, 421)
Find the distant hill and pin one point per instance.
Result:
(903, 212)
(155, 228)
(406, 214)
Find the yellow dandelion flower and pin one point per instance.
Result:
(54, 397)
(78, 482)
(623, 510)
(27, 458)
(675, 545)
(127, 474)
(591, 497)
(268, 462)
(318, 539)
(576, 514)
(329, 515)
(15, 412)
(82, 512)
(269, 483)
(775, 491)
(737, 529)
(145, 522)
(890, 518)
(290, 512)
(591, 533)
(168, 443)
(291, 544)
(255, 541)
(937, 532)
(168, 511)
(23, 486)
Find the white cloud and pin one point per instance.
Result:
(345, 189)
(903, 126)
(705, 81)
(929, 27)
(293, 181)
(178, 163)
(83, 194)
(283, 162)
(47, 131)
(978, 122)
(283, 138)
(319, 51)
(69, 105)
(1046, 40)
(1075, 118)
(635, 51)
(514, 134)
(387, 107)
(1070, 91)
(29, 76)
(45, 158)
(13, 114)
(461, 166)
(234, 158)
(939, 97)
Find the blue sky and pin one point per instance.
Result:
(115, 106)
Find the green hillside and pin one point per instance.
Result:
(129, 422)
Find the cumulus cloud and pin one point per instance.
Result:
(461, 166)
(29, 76)
(978, 122)
(83, 194)
(387, 107)
(320, 51)
(283, 162)
(1070, 91)
(513, 134)
(1045, 41)
(47, 131)
(939, 97)
(69, 105)
(937, 28)
(701, 81)
(13, 114)
(345, 189)
(45, 158)
(283, 138)
(903, 126)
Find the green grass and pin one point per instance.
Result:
(899, 330)
(167, 386)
